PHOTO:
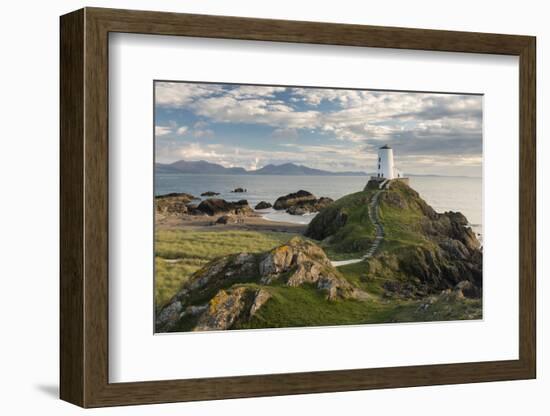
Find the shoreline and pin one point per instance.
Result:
(254, 222)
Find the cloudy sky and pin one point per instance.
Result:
(331, 129)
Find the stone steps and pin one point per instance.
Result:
(373, 216)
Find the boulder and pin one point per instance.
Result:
(210, 193)
(173, 203)
(287, 201)
(229, 307)
(326, 225)
(225, 219)
(214, 206)
(302, 262)
(263, 205)
(307, 207)
(180, 195)
(239, 190)
(236, 287)
(169, 316)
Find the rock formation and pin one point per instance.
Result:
(423, 251)
(301, 202)
(263, 205)
(173, 203)
(214, 206)
(232, 289)
(307, 207)
(287, 201)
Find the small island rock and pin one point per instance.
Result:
(294, 198)
(263, 205)
(307, 207)
(216, 206)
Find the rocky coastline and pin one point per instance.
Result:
(427, 267)
(182, 204)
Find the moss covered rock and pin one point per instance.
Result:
(231, 289)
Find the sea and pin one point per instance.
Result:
(443, 193)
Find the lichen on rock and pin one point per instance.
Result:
(223, 285)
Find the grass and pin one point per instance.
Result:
(358, 233)
(305, 306)
(190, 250)
(360, 275)
(402, 225)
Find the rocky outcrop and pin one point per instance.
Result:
(263, 205)
(301, 202)
(210, 193)
(302, 262)
(423, 251)
(239, 190)
(214, 206)
(285, 202)
(177, 195)
(231, 306)
(234, 288)
(307, 207)
(173, 203)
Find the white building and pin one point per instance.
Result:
(386, 168)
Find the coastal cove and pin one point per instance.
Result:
(443, 193)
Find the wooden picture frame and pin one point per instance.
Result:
(84, 207)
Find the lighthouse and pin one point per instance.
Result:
(386, 169)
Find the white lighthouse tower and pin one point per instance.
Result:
(386, 170)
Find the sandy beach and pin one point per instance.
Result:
(253, 222)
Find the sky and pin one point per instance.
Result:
(338, 130)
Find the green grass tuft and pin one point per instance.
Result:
(191, 250)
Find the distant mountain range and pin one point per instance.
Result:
(203, 167)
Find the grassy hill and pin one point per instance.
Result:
(427, 267)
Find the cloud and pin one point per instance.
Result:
(178, 94)
(255, 91)
(182, 130)
(284, 133)
(447, 127)
(162, 131)
(264, 111)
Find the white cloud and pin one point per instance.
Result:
(179, 94)
(182, 130)
(228, 109)
(421, 124)
(255, 91)
(162, 131)
(284, 133)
